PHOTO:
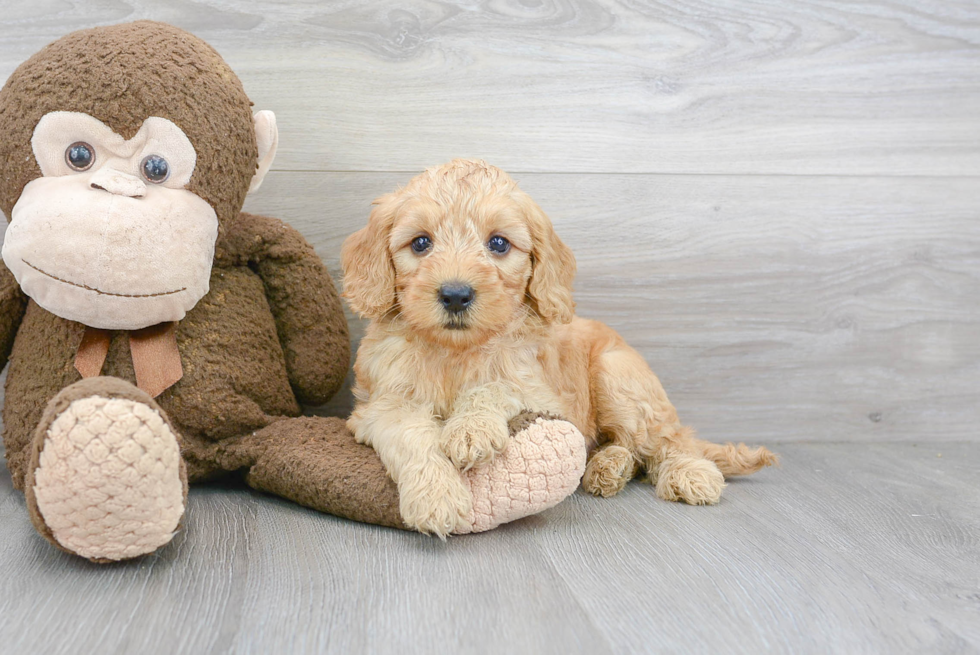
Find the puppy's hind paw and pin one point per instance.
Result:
(471, 440)
(694, 480)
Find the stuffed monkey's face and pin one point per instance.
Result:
(109, 236)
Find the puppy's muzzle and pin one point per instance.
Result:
(456, 297)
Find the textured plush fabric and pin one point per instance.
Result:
(309, 318)
(271, 330)
(110, 261)
(108, 479)
(317, 463)
(121, 75)
(94, 470)
(135, 256)
(542, 465)
(13, 302)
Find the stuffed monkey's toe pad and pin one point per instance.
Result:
(108, 483)
(542, 465)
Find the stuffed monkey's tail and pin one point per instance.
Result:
(738, 459)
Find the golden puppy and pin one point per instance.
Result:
(470, 292)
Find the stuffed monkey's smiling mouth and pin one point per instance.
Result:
(104, 293)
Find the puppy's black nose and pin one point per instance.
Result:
(456, 297)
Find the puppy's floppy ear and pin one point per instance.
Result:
(369, 274)
(552, 267)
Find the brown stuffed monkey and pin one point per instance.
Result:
(167, 336)
(157, 335)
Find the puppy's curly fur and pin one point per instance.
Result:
(436, 383)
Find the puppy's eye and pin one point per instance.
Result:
(421, 244)
(498, 245)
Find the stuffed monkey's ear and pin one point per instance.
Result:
(369, 274)
(552, 267)
(267, 138)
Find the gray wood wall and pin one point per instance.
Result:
(777, 203)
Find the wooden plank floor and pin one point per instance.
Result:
(846, 548)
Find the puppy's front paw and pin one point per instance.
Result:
(608, 471)
(468, 440)
(435, 501)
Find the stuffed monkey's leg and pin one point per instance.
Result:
(105, 480)
(316, 462)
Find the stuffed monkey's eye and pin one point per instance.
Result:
(155, 169)
(80, 156)
(498, 244)
(421, 244)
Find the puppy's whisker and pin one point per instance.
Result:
(396, 308)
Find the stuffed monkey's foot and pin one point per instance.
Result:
(316, 462)
(106, 479)
(542, 466)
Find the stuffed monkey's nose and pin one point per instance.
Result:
(118, 183)
(456, 297)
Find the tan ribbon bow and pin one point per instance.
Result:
(156, 359)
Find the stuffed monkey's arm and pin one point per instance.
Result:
(309, 317)
(12, 305)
